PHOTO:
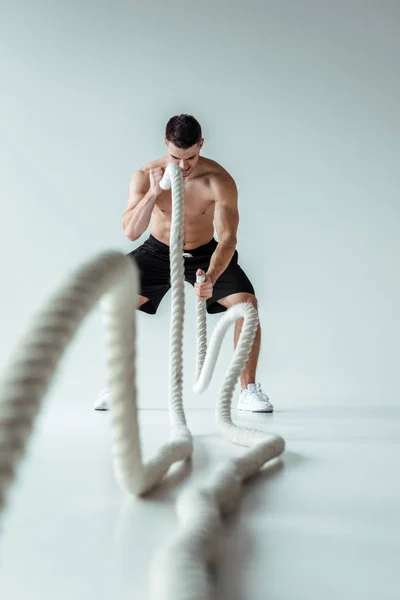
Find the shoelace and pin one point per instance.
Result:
(262, 393)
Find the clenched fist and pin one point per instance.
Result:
(204, 290)
(155, 177)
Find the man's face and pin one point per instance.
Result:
(186, 159)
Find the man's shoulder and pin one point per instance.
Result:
(220, 180)
(212, 167)
(216, 173)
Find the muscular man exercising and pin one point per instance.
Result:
(211, 200)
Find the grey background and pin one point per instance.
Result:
(298, 100)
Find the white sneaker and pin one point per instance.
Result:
(254, 399)
(103, 401)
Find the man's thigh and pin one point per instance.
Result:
(232, 281)
(154, 275)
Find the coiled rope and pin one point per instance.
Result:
(181, 568)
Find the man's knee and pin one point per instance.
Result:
(141, 300)
(251, 299)
(239, 298)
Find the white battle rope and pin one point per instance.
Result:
(181, 569)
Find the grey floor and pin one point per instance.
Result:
(321, 524)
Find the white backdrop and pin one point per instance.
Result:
(298, 100)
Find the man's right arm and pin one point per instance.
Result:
(142, 199)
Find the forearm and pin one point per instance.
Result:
(137, 219)
(221, 258)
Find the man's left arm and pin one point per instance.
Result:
(226, 221)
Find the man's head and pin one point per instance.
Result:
(183, 139)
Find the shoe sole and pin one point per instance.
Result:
(248, 409)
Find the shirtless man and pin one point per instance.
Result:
(211, 200)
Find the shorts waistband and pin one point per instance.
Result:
(204, 250)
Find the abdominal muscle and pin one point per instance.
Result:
(198, 230)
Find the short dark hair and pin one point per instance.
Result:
(183, 131)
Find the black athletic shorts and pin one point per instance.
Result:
(152, 259)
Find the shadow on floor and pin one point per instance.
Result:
(237, 547)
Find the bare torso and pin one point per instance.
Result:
(199, 203)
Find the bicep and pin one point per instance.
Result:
(138, 187)
(226, 215)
